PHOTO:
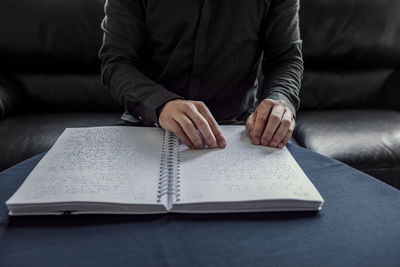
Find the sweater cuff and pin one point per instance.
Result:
(146, 110)
(279, 96)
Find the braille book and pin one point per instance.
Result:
(140, 170)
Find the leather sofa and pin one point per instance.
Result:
(350, 111)
(350, 93)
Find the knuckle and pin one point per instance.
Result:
(187, 105)
(257, 131)
(267, 101)
(268, 134)
(200, 106)
(201, 103)
(183, 106)
(274, 117)
(286, 122)
(260, 119)
(202, 124)
(176, 129)
(277, 138)
(186, 124)
(282, 103)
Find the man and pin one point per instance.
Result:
(186, 64)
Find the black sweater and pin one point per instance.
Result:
(214, 51)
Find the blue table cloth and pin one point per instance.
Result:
(359, 225)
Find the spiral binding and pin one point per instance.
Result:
(169, 181)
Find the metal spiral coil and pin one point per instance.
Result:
(169, 179)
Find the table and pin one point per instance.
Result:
(358, 225)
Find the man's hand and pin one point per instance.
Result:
(271, 124)
(192, 122)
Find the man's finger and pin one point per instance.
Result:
(221, 142)
(288, 135)
(190, 130)
(250, 124)
(202, 125)
(178, 131)
(260, 122)
(273, 122)
(282, 129)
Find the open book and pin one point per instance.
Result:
(137, 170)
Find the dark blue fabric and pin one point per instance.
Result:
(358, 225)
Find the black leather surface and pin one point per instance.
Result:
(361, 138)
(327, 89)
(50, 35)
(66, 92)
(350, 34)
(26, 135)
(365, 139)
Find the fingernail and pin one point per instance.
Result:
(222, 144)
(273, 144)
(256, 141)
(264, 142)
(280, 145)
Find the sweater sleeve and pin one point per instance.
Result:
(121, 55)
(282, 64)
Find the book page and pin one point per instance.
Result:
(242, 172)
(101, 164)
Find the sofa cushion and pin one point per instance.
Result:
(51, 35)
(350, 34)
(66, 92)
(26, 135)
(323, 89)
(368, 140)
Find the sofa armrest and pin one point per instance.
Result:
(391, 93)
(10, 95)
